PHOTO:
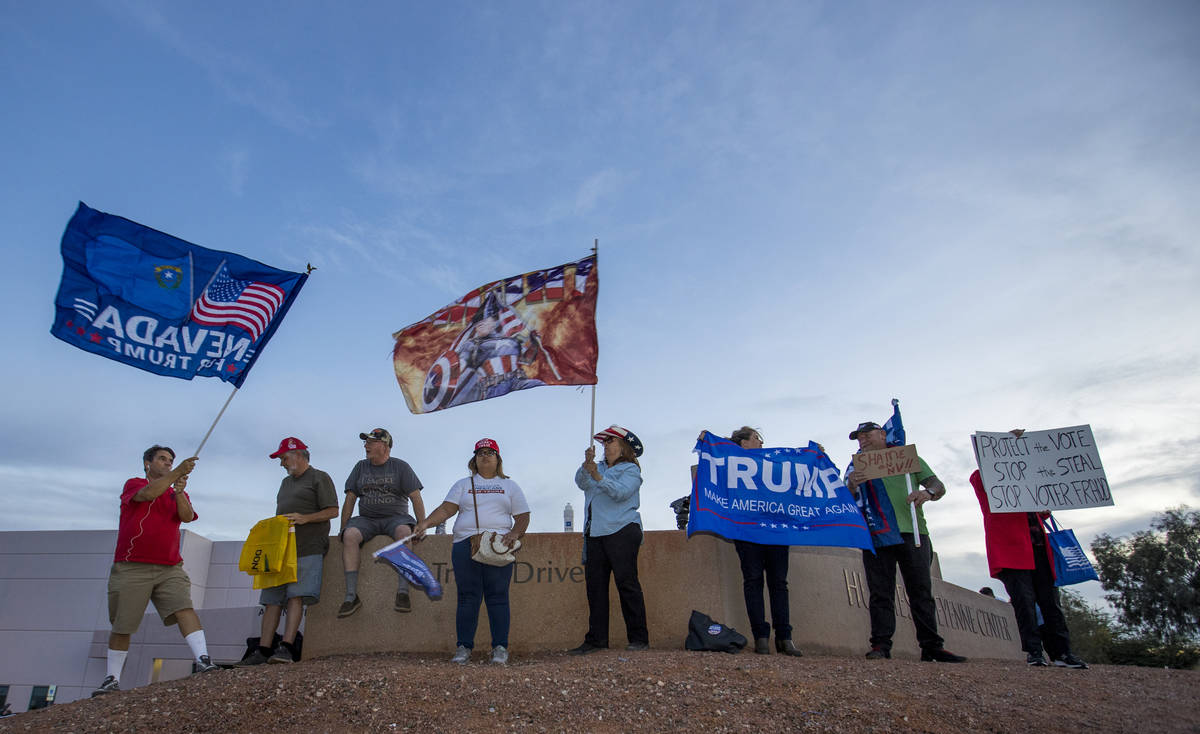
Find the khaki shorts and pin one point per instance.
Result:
(132, 585)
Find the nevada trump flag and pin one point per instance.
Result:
(164, 305)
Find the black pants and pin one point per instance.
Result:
(773, 560)
(914, 565)
(615, 555)
(1028, 588)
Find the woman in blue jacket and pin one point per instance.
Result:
(612, 535)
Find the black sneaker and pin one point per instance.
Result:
(941, 655)
(282, 656)
(254, 658)
(1036, 660)
(109, 685)
(586, 649)
(878, 653)
(349, 607)
(204, 664)
(402, 603)
(1070, 660)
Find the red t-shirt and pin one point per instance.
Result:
(149, 531)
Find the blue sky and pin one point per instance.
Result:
(986, 210)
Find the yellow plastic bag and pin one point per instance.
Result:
(287, 573)
(269, 553)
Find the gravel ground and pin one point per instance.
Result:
(617, 691)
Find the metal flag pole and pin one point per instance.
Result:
(215, 421)
(913, 507)
(596, 268)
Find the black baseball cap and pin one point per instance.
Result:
(864, 426)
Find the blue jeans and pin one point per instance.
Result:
(478, 581)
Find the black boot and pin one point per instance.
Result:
(762, 645)
(787, 647)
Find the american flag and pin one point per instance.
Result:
(242, 303)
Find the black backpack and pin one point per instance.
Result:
(705, 634)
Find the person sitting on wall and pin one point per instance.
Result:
(147, 566)
(383, 486)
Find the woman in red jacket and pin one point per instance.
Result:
(1019, 555)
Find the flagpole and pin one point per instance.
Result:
(913, 507)
(215, 421)
(592, 432)
(206, 285)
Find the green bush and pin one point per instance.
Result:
(1149, 652)
(1090, 628)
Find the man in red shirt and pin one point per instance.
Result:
(147, 565)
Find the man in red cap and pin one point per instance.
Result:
(383, 486)
(308, 499)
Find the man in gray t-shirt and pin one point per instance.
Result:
(383, 487)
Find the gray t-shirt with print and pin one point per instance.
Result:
(383, 490)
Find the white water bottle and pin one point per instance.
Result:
(568, 518)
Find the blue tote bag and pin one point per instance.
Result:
(1071, 564)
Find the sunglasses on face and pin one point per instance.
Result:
(608, 439)
(485, 452)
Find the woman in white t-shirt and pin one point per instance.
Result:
(499, 504)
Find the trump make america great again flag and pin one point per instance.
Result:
(164, 305)
(538, 328)
(773, 496)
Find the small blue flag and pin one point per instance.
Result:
(873, 499)
(894, 426)
(164, 305)
(410, 566)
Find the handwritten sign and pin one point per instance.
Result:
(1057, 469)
(887, 462)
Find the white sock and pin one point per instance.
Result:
(197, 643)
(116, 662)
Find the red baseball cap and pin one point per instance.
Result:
(487, 443)
(291, 443)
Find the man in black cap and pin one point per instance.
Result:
(890, 497)
(383, 486)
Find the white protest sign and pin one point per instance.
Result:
(1057, 469)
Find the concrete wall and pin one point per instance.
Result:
(54, 612)
(549, 607)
